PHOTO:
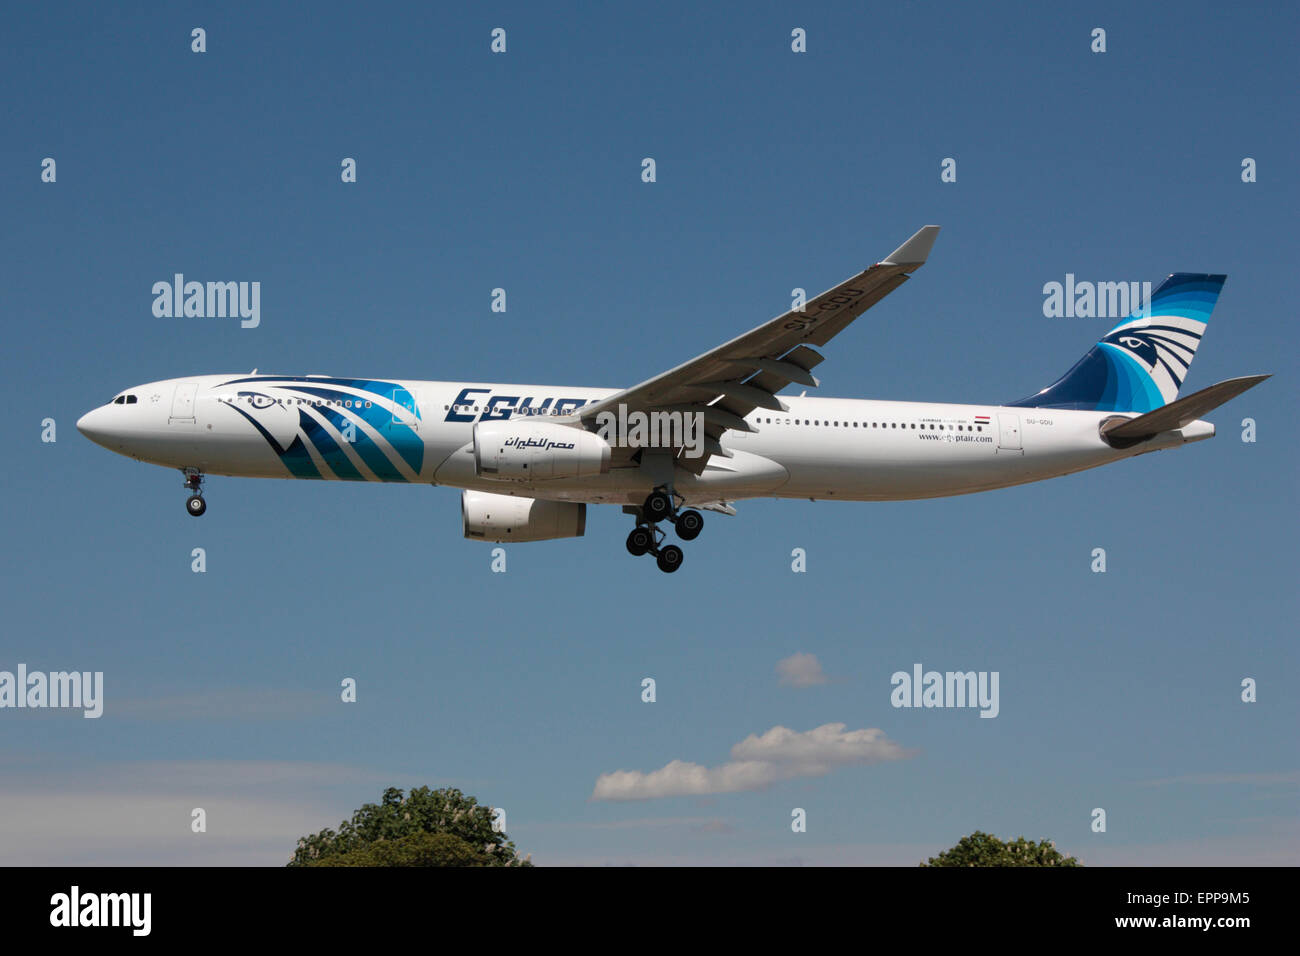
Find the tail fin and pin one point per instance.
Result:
(1139, 365)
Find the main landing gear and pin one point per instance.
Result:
(194, 504)
(646, 538)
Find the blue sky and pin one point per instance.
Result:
(774, 170)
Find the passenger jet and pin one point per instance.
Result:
(530, 458)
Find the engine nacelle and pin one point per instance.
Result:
(489, 517)
(536, 451)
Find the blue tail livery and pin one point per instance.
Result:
(1139, 365)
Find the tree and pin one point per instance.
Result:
(984, 849)
(423, 828)
(415, 849)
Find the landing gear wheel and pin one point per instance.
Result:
(689, 525)
(195, 505)
(640, 541)
(669, 559)
(658, 506)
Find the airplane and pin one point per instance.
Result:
(528, 459)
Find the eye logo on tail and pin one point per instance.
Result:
(1139, 365)
(1164, 348)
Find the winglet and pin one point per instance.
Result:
(915, 251)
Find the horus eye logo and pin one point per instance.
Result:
(257, 399)
(1166, 346)
(1142, 347)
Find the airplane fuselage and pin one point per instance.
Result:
(421, 432)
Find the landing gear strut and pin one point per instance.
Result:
(194, 504)
(646, 538)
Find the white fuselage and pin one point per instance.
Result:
(419, 432)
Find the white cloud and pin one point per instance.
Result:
(756, 763)
(800, 670)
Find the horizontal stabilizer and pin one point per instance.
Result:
(1179, 413)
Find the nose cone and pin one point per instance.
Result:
(94, 425)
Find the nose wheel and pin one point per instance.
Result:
(194, 504)
(646, 538)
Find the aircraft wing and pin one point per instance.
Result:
(728, 382)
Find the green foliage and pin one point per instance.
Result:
(423, 828)
(984, 849)
(417, 849)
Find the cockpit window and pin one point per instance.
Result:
(131, 399)
(120, 400)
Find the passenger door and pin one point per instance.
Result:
(409, 416)
(1009, 432)
(183, 404)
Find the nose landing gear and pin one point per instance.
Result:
(194, 504)
(646, 538)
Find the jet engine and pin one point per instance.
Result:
(489, 517)
(536, 451)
